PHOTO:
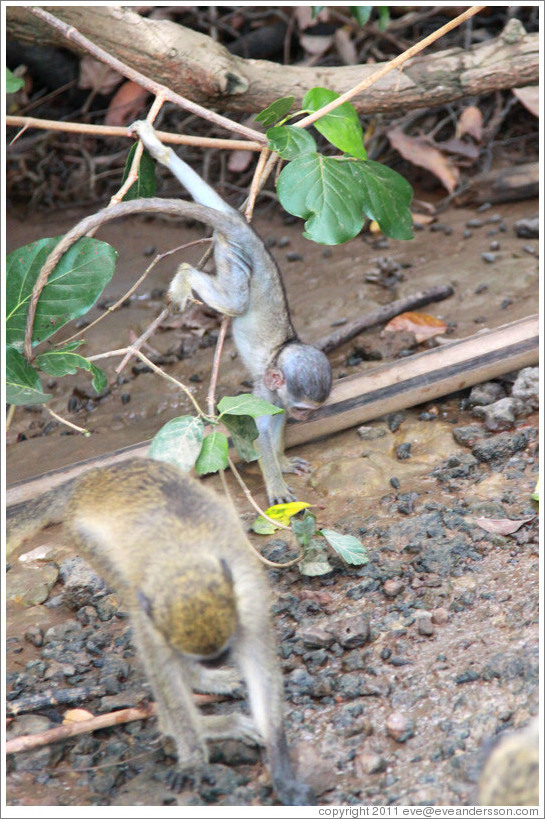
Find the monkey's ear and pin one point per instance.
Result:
(274, 378)
(144, 603)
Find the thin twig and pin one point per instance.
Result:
(393, 64)
(9, 416)
(67, 423)
(276, 523)
(141, 340)
(124, 715)
(211, 397)
(116, 131)
(72, 34)
(257, 184)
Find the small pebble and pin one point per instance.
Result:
(399, 727)
(494, 245)
(489, 258)
(368, 763)
(393, 587)
(474, 223)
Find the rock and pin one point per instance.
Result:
(369, 762)
(63, 632)
(351, 631)
(30, 583)
(527, 228)
(393, 587)
(526, 390)
(313, 768)
(486, 393)
(38, 758)
(439, 616)
(500, 447)
(499, 415)
(34, 635)
(82, 585)
(424, 624)
(399, 727)
(469, 435)
(511, 773)
(368, 433)
(316, 637)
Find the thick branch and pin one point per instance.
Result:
(195, 66)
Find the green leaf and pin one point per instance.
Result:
(341, 127)
(316, 10)
(178, 442)
(213, 454)
(13, 83)
(243, 431)
(386, 197)
(535, 493)
(383, 17)
(274, 112)
(323, 191)
(64, 361)
(23, 385)
(73, 286)
(315, 559)
(347, 546)
(289, 141)
(282, 512)
(304, 528)
(361, 13)
(246, 404)
(145, 185)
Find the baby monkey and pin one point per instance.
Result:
(197, 596)
(248, 286)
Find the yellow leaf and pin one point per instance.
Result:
(76, 715)
(280, 512)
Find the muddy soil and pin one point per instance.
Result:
(445, 614)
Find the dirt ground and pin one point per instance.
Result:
(448, 657)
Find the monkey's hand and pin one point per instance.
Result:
(180, 287)
(146, 132)
(296, 465)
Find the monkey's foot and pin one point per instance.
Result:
(296, 465)
(232, 726)
(179, 290)
(146, 132)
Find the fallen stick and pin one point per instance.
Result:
(361, 397)
(28, 742)
(381, 314)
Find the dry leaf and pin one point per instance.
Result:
(501, 526)
(345, 46)
(239, 160)
(303, 15)
(470, 122)
(456, 146)
(126, 104)
(76, 715)
(423, 218)
(529, 97)
(316, 44)
(421, 324)
(419, 151)
(97, 76)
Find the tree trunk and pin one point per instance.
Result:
(202, 70)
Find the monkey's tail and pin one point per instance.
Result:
(25, 519)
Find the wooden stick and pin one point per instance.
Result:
(364, 396)
(28, 742)
(384, 313)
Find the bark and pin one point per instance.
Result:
(195, 66)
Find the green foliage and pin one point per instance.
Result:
(246, 404)
(347, 546)
(341, 126)
(178, 442)
(363, 13)
(23, 385)
(290, 142)
(214, 453)
(275, 112)
(13, 83)
(71, 290)
(335, 195)
(243, 431)
(145, 185)
(64, 361)
(304, 528)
